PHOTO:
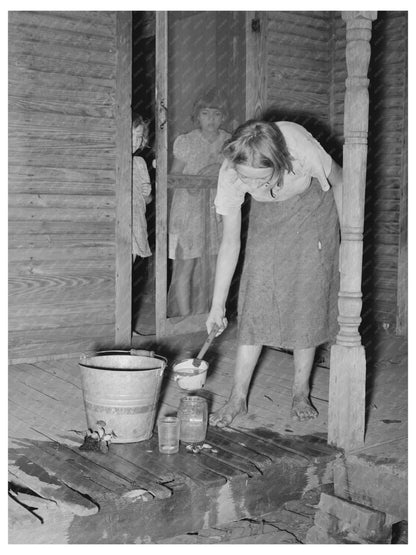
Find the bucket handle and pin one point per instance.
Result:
(142, 352)
(134, 352)
(150, 354)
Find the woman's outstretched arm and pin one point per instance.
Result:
(226, 264)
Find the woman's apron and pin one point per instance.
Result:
(290, 281)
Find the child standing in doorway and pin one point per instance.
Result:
(142, 196)
(195, 153)
(142, 188)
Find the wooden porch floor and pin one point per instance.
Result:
(60, 494)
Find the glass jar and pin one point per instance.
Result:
(193, 416)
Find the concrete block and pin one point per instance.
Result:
(380, 486)
(363, 520)
(215, 533)
(312, 496)
(317, 535)
(327, 522)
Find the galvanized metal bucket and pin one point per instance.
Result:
(122, 389)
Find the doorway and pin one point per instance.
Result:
(176, 57)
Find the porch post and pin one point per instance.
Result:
(161, 254)
(346, 413)
(123, 283)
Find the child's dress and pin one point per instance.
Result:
(186, 238)
(139, 235)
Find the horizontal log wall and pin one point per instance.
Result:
(62, 129)
(306, 74)
(298, 69)
(385, 234)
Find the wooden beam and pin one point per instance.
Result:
(346, 413)
(175, 181)
(123, 285)
(256, 63)
(332, 57)
(161, 254)
(402, 281)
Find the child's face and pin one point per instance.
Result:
(210, 119)
(139, 137)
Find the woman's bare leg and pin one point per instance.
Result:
(302, 408)
(247, 357)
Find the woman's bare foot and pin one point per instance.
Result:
(302, 408)
(226, 414)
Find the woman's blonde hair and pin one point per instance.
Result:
(259, 144)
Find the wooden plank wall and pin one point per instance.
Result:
(306, 74)
(62, 74)
(299, 67)
(385, 234)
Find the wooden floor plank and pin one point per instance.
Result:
(138, 477)
(253, 442)
(47, 382)
(46, 485)
(50, 460)
(40, 508)
(71, 468)
(219, 440)
(145, 455)
(46, 404)
(225, 460)
(64, 369)
(190, 466)
(219, 466)
(68, 415)
(293, 445)
(22, 418)
(19, 515)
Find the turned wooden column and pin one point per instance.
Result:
(346, 414)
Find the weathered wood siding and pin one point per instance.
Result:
(298, 68)
(62, 171)
(305, 82)
(385, 234)
(301, 69)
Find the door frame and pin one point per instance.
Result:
(167, 325)
(123, 181)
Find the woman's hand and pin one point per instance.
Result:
(217, 316)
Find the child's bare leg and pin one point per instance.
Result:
(302, 408)
(183, 285)
(247, 357)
